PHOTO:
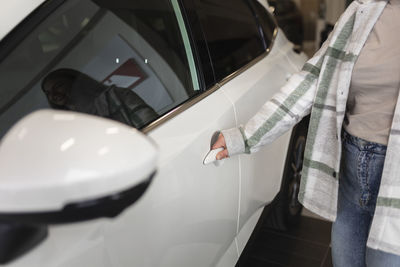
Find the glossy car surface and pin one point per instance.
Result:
(178, 71)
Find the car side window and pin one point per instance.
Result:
(231, 33)
(130, 61)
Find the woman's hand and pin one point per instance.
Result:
(221, 143)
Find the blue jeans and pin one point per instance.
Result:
(360, 176)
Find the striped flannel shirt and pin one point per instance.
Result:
(321, 88)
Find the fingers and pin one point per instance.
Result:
(223, 154)
(221, 143)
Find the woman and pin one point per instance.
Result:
(351, 165)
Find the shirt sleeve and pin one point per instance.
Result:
(279, 114)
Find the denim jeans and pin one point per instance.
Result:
(360, 176)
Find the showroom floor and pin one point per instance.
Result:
(306, 245)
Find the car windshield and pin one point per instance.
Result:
(125, 60)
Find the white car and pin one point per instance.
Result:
(80, 190)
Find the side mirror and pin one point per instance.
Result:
(61, 167)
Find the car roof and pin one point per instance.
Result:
(13, 12)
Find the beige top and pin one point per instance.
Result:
(376, 80)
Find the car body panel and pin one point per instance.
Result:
(261, 172)
(248, 228)
(193, 207)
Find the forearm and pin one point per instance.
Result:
(283, 111)
(275, 117)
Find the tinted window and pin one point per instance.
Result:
(231, 32)
(266, 21)
(125, 60)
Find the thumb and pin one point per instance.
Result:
(221, 143)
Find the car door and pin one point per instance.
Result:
(250, 60)
(262, 172)
(135, 62)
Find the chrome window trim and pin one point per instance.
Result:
(186, 105)
(179, 109)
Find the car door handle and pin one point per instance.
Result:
(212, 156)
